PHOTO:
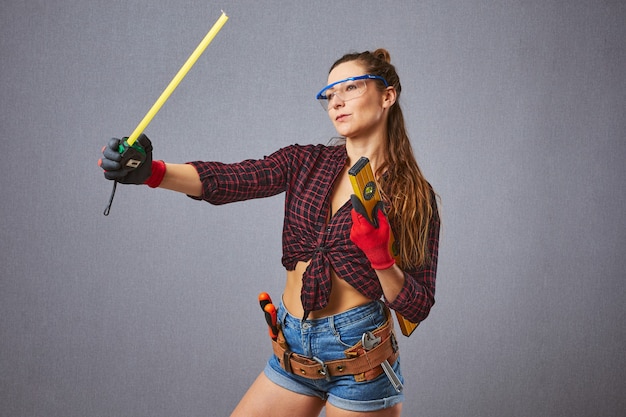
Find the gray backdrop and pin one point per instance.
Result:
(516, 111)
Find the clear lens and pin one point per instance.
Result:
(344, 91)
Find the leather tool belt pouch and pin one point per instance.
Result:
(363, 365)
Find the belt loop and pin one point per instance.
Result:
(287, 360)
(283, 313)
(331, 324)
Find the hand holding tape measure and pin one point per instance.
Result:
(135, 151)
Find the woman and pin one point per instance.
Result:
(341, 277)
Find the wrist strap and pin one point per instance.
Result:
(158, 172)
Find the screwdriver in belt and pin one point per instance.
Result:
(270, 314)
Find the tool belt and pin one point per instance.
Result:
(363, 365)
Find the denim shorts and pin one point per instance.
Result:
(326, 339)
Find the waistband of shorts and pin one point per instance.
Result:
(337, 320)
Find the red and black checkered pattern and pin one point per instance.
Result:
(306, 175)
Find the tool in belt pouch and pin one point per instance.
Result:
(363, 364)
(365, 187)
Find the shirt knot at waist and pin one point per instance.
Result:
(322, 249)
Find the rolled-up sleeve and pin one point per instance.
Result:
(253, 178)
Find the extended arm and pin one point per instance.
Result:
(182, 178)
(215, 182)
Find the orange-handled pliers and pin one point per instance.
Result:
(270, 314)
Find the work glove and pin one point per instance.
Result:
(372, 237)
(117, 169)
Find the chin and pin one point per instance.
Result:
(343, 131)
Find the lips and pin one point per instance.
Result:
(341, 117)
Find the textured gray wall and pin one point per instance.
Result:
(517, 114)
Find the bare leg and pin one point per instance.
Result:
(264, 398)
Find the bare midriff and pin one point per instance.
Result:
(342, 296)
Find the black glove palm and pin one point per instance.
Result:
(116, 166)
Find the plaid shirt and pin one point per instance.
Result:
(306, 175)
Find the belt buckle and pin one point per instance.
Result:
(324, 371)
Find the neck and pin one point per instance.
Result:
(371, 149)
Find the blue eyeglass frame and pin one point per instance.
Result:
(322, 96)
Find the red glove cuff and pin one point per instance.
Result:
(381, 262)
(158, 172)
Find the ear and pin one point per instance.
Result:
(389, 97)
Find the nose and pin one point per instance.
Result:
(335, 102)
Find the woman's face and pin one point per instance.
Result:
(363, 116)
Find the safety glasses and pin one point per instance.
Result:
(346, 89)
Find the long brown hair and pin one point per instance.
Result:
(410, 200)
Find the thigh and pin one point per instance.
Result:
(265, 398)
(395, 411)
